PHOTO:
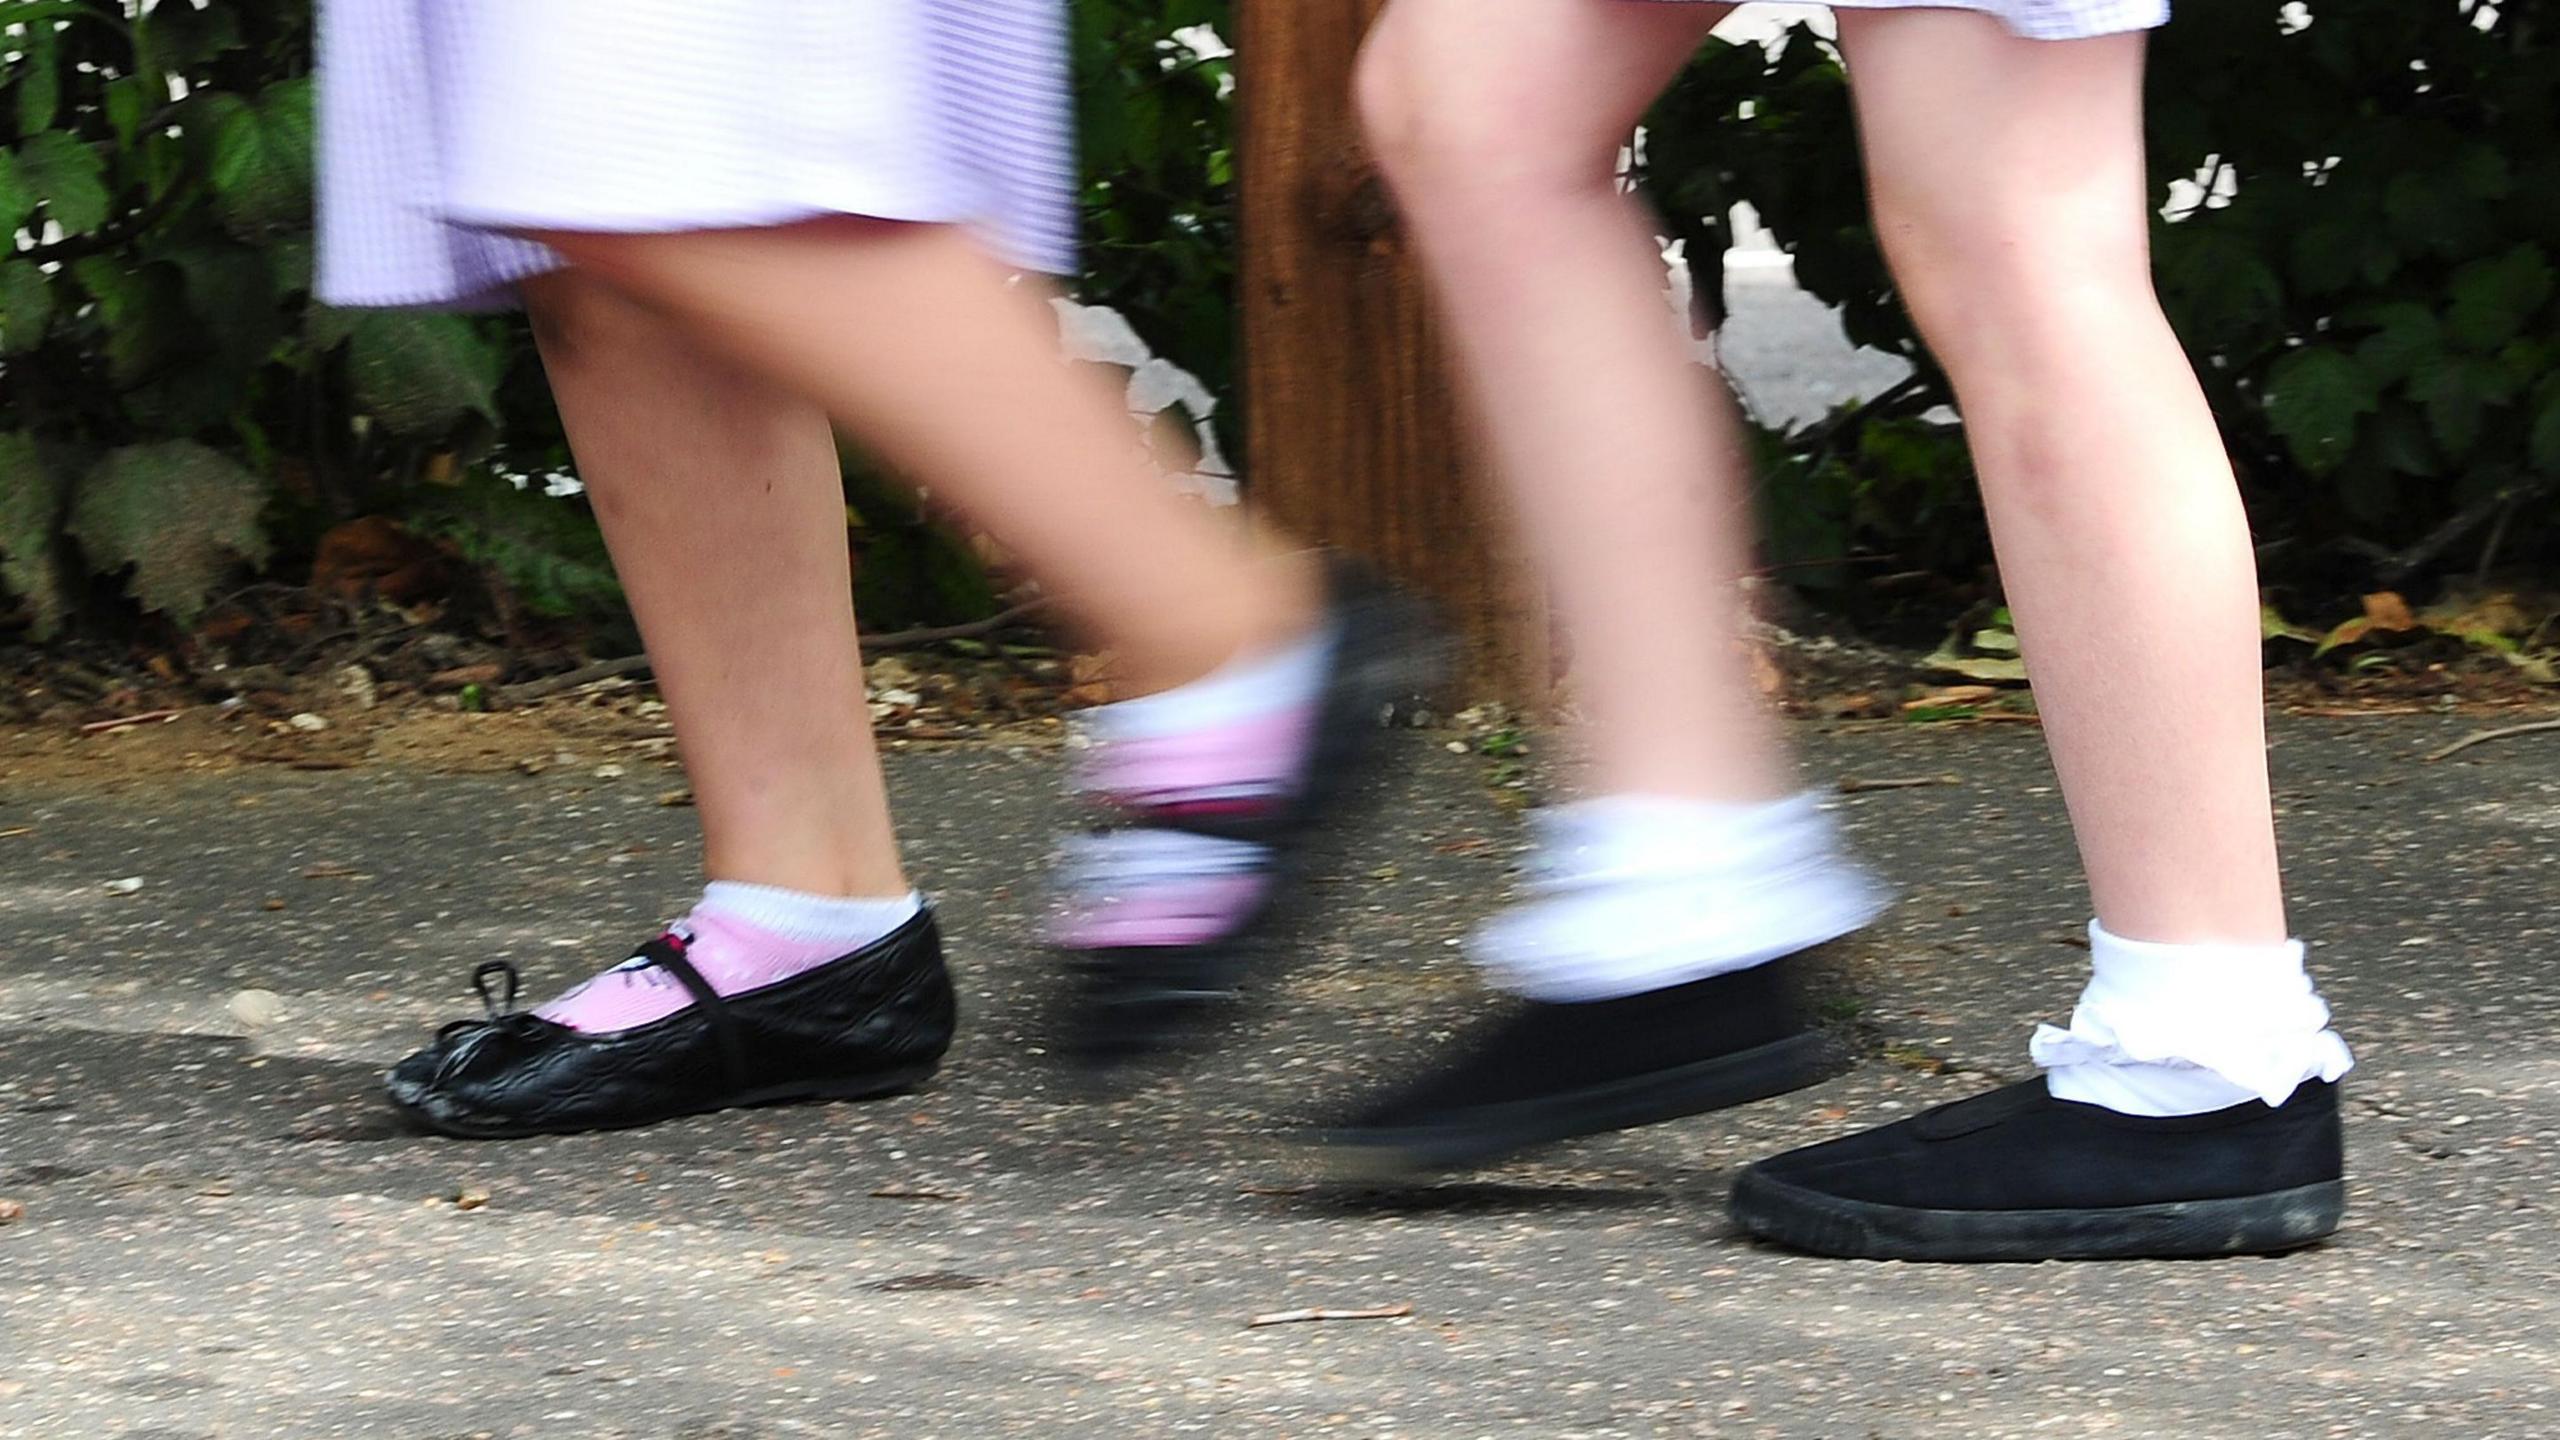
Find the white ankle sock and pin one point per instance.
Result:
(2184, 1029)
(1243, 689)
(845, 924)
(1630, 893)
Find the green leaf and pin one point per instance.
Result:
(128, 103)
(30, 509)
(2397, 438)
(26, 306)
(262, 162)
(2273, 626)
(176, 37)
(419, 372)
(2494, 299)
(2221, 284)
(39, 80)
(145, 312)
(2406, 333)
(224, 325)
(2485, 173)
(17, 193)
(179, 514)
(2457, 391)
(1997, 669)
(233, 299)
(326, 327)
(2314, 397)
(2327, 256)
(2431, 211)
(2544, 447)
(66, 176)
(289, 264)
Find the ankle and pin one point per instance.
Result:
(842, 872)
(1283, 603)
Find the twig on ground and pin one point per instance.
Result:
(871, 645)
(1854, 786)
(2485, 736)
(895, 1192)
(126, 722)
(1295, 1317)
(936, 634)
(15, 831)
(572, 679)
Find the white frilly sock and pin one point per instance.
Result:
(1630, 893)
(2184, 1029)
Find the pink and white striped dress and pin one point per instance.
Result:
(447, 123)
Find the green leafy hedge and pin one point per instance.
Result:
(2373, 304)
(2369, 295)
(174, 408)
(174, 403)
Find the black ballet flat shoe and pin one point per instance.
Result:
(1545, 1072)
(1125, 1003)
(2019, 1175)
(870, 1023)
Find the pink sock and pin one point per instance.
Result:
(1230, 746)
(742, 938)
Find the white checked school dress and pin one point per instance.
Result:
(445, 123)
(2042, 19)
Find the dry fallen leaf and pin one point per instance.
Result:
(1953, 695)
(465, 675)
(2385, 610)
(1766, 677)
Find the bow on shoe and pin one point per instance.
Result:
(464, 1036)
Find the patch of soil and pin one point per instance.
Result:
(362, 688)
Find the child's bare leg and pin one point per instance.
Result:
(723, 504)
(914, 341)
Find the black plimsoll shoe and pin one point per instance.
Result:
(870, 1023)
(1124, 1002)
(2019, 1175)
(1545, 1072)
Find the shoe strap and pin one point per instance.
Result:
(667, 953)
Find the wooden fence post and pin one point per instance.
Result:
(1351, 430)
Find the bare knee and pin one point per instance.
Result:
(1445, 137)
(1992, 281)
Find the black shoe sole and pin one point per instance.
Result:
(1473, 1137)
(872, 1086)
(1863, 1230)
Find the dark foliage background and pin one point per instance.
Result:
(2371, 299)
